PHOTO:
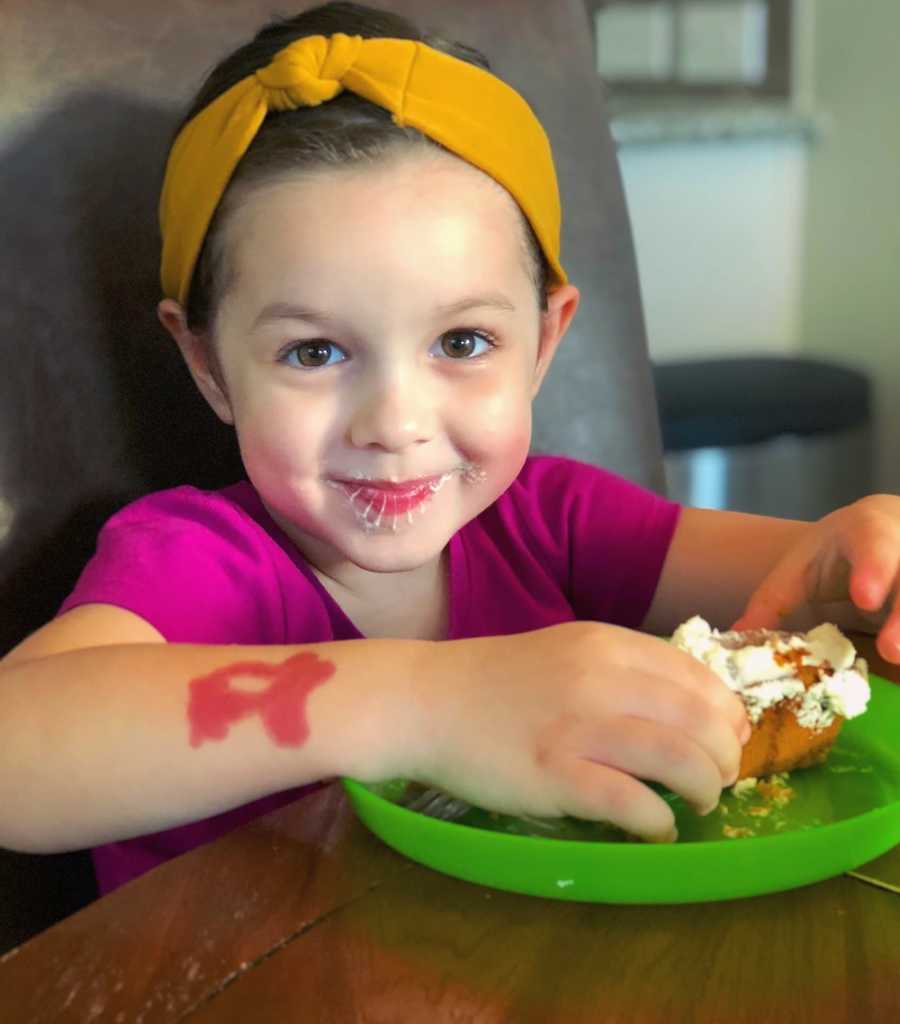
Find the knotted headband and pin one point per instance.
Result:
(466, 109)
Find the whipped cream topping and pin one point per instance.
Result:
(762, 666)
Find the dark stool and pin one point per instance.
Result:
(778, 436)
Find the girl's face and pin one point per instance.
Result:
(378, 347)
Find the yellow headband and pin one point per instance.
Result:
(466, 109)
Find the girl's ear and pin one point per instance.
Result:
(561, 305)
(198, 353)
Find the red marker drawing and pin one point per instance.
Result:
(215, 704)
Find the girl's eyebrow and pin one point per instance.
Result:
(275, 311)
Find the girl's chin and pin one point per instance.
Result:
(386, 547)
(386, 524)
(393, 563)
(385, 550)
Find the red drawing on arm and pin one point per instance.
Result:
(214, 704)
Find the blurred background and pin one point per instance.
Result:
(760, 147)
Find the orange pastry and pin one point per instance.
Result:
(798, 688)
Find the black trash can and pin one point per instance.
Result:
(778, 436)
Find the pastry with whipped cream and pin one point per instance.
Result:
(798, 688)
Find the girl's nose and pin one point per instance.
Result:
(394, 414)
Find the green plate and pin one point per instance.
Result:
(843, 814)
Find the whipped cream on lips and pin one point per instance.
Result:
(384, 503)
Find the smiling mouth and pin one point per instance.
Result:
(390, 499)
(386, 503)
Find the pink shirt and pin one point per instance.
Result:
(566, 541)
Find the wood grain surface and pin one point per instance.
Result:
(166, 943)
(423, 947)
(304, 916)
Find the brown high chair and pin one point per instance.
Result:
(96, 406)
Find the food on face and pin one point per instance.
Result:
(798, 688)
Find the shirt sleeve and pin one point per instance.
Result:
(191, 563)
(607, 537)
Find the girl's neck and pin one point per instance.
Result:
(401, 605)
(413, 604)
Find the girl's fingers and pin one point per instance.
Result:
(871, 584)
(873, 555)
(873, 574)
(779, 594)
(670, 671)
(633, 651)
(856, 557)
(709, 687)
(598, 792)
(658, 753)
(888, 641)
(694, 700)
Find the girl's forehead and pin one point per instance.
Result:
(422, 230)
(422, 196)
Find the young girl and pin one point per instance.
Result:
(361, 269)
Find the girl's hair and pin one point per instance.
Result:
(344, 131)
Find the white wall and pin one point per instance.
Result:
(718, 233)
(784, 246)
(850, 289)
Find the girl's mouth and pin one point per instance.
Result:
(392, 498)
(382, 503)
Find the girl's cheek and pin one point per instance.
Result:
(502, 418)
(286, 419)
(277, 453)
(499, 448)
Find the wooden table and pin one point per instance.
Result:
(305, 916)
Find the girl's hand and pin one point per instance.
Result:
(849, 557)
(568, 719)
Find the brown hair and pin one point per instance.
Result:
(345, 131)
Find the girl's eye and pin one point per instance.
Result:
(312, 354)
(465, 344)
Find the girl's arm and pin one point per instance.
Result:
(125, 735)
(715, 562)
(106, 731)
